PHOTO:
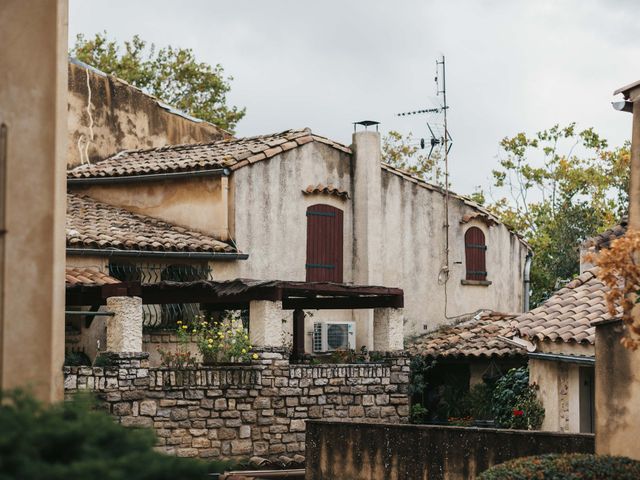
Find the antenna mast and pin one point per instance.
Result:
(445, 107)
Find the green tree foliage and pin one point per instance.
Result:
(576, 466)
(557, 197)
(172, 74)
(404, 152)
(73, 441)
(514, 403)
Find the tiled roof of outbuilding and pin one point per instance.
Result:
(229, 153)
(604, 239)
(476, 337)
(568, 315)
(92, 224)
(87, 276)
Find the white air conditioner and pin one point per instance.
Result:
(329, 336)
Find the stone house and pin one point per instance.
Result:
(295, 206)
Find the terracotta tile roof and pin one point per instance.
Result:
(228, 153)
(92, 224)
(568, 315)
(604, 239)
(87, 276)
(475, 337)
(326, 189)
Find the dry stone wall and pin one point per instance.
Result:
(239, 411)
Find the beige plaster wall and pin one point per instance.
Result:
(617, 393)
(413, 253)
(197, 203)
(559, 392)
(107, 115)
(33, 81)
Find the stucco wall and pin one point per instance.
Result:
(107, 115)
(413, 252)
(33, 81)
(362, 451)
(197, 203)
(617, 393)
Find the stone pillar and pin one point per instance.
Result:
(124, 329)
(33, 134)
(265, 323)
(388, 329)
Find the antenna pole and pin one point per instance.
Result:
(446, 163)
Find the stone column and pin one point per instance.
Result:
(265, 323)
(124, 329)
(388, 329)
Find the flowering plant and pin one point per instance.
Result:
(225, 340)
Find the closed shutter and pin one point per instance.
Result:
(324, 244)
(475, 251)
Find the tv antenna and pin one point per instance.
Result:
(438, 141)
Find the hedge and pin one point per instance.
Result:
(578, 466)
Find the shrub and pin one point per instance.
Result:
(73, 441)
(515, 403)
(76, 359)
(565, 467)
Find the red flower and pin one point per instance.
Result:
(518, 413)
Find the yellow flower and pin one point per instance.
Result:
(210, 340)
(179, 322)
(244, 350)
(255, 356)
(246, 337)
(193, 331)
(250, 347)
(210, 346)
(184, 327)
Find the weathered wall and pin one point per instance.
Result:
(33, 81)
(617, 393)
(414, 254)
(107, 115)
(364, 451)
(243, 410)
(198, 203)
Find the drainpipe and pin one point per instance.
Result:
(527, 280)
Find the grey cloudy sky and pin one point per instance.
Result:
(512, 65)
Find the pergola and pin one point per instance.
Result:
(265, 300)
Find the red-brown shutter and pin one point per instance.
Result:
(324, 244)
(475, 254)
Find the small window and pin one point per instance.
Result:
(475, 251)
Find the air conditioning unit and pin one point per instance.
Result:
(333, 335)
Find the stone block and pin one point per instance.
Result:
(187, 452)
(245, 431)
(227, 433)
(137, 422)
(297, 426)
(241, 447)
(220, 404)
(201, 442)
(148, 407)
(178, 414)
(122, 408)
(356, 412)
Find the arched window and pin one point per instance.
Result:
(475, 251)
(324, 244)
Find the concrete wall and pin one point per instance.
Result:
(33, 88)
(362, 451)
(107, 115)
(243, 410)
(617, 393)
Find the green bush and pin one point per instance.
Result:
(565, 467)
(515, 403)
(74, 441)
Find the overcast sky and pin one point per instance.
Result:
(512, 65)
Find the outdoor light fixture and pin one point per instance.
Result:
(623, 106)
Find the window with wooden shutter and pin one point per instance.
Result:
(324, 244)
(475, 251)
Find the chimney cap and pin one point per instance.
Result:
(366, 124)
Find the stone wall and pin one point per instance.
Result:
(359, 451)
(238, 411)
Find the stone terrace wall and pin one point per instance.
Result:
(238, 411)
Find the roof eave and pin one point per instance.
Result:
(150, 177)
(112, 252)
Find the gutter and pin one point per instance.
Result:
(527, 280)
(150, 177)
(98, 252)
(591, 361)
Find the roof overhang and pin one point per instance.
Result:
(149, 177)
(239, 293)
(557, 357)
(112, 252)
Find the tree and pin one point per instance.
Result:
(172, 74)
(562, 201)
(404, 152)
